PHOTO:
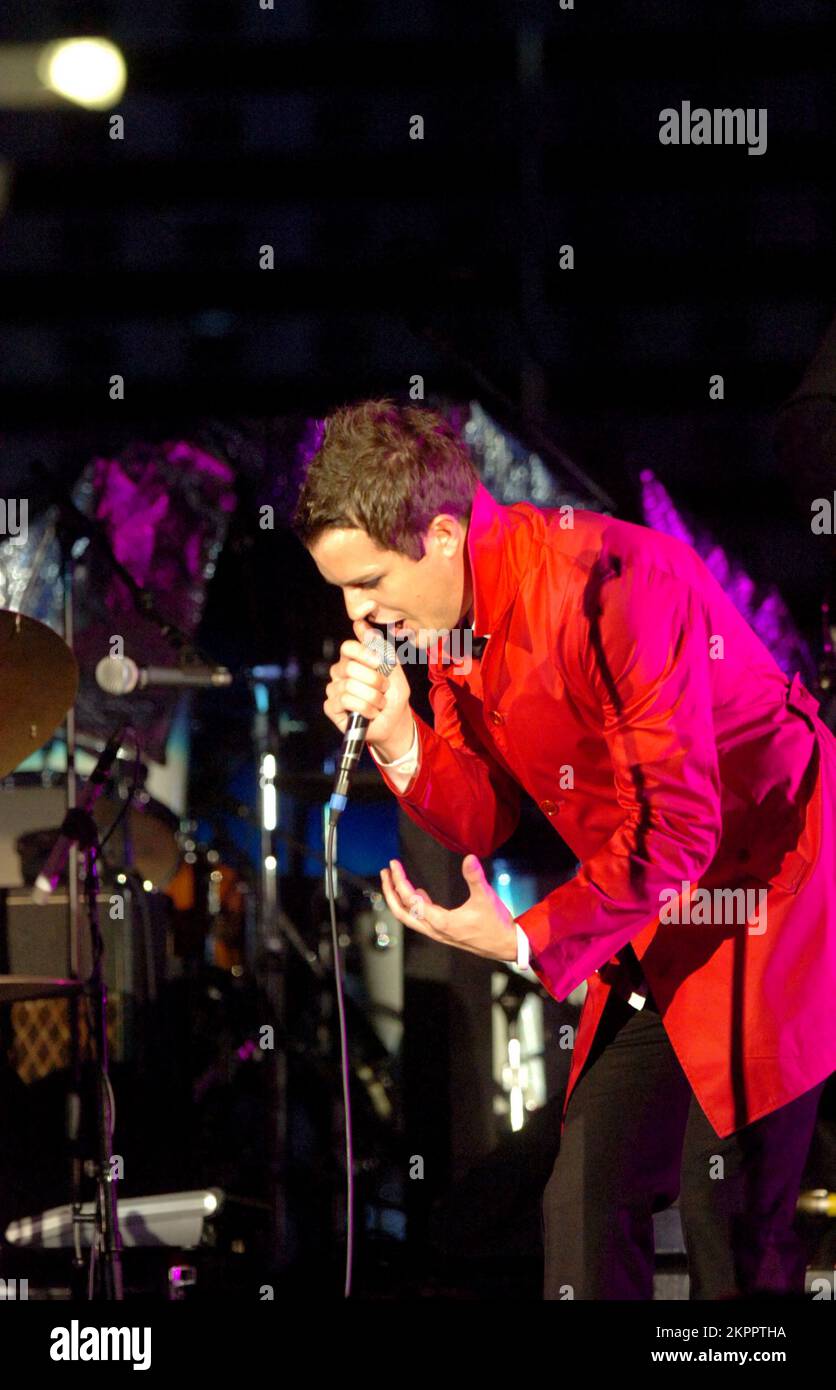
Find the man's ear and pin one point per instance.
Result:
(445, 528)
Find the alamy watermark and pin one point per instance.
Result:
(454, 645)
(14, 520)
(79, 1342)
(721, 125)
(823, 522)
(722, 907)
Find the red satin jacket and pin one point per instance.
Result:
(622, 690)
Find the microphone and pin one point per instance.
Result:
(74, 827)
(119, 675)
(358, 725)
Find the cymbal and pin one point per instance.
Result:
(38, 683)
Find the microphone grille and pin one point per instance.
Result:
(387, 657)
(116, 674)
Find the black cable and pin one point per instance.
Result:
(344, 1065)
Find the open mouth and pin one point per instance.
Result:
(394, 630)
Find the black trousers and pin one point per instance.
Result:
(635, 1138)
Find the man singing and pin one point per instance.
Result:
(617, 684)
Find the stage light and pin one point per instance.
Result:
(269, 800)
(503, 884)
(90, 72)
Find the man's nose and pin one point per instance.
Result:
(358, 605)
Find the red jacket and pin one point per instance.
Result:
(624, 692)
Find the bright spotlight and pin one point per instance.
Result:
(90, 72)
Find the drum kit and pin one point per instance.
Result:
(137, 832)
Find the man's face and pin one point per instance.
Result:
(414, 597)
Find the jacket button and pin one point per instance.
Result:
(496, 717)
(550, 807)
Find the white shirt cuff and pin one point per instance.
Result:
(405, 757)
(523, 948)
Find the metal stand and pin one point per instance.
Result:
(105, 1272)
(73, 1101)
(105, 1268)
(273, 957)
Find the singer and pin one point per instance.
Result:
(620, 688)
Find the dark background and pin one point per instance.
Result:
(290, 127)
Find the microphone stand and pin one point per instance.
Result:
(105, 1268)
(73, 1100)
(274, 931)
(106, 1242)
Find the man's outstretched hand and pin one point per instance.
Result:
(482, 925)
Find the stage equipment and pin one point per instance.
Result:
(169, 1218)
(39, 680)
(35, 943)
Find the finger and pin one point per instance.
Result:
(373, 697)
(396, 907)
(336, 715)
(357, 651)
(355, 670)
(409, 897)
(474, 874)
(401, 883)
(418, 902)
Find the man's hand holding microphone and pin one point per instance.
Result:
(358, 686)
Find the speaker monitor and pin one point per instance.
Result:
(37, 942)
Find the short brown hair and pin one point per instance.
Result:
(387, 470)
